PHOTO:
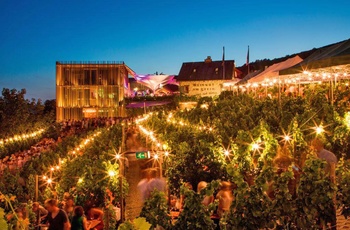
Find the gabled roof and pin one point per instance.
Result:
(213, 70)
(331, 55)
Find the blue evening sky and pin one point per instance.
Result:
(150, 35)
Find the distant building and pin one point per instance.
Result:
(90, 89)
(206, 78)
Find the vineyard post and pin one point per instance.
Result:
(36, 187)
(279, 90)
(121, 174)
(332, 93)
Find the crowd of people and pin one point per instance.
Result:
(53, 215)
(18, 159)
(90, 123)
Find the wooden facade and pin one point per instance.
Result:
(90, 89)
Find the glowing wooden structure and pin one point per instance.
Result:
(90, 89)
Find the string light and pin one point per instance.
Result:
(171, 120)
(21, 137)
(166, 153)
(287, 138)
(81, 146)
(316, 76)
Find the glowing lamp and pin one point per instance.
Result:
(226, 153)
(319, 130)
(111, 173)
(255, 146)
(287, 138)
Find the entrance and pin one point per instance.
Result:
(90, 113)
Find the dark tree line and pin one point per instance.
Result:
(19, 115)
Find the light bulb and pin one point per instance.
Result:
(319, 130)
(255, 146)
(111, 173)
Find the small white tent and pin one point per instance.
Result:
(273, 71)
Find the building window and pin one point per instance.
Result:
(184, 89)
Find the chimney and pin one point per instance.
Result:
(208, 59)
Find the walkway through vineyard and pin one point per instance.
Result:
(133, 175)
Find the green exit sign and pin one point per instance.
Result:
(142, 155)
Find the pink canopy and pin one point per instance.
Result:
(155, 82)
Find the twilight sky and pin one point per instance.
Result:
(150, 35)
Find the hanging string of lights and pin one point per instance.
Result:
(77, 151)
(21, 137)
(172, 120)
